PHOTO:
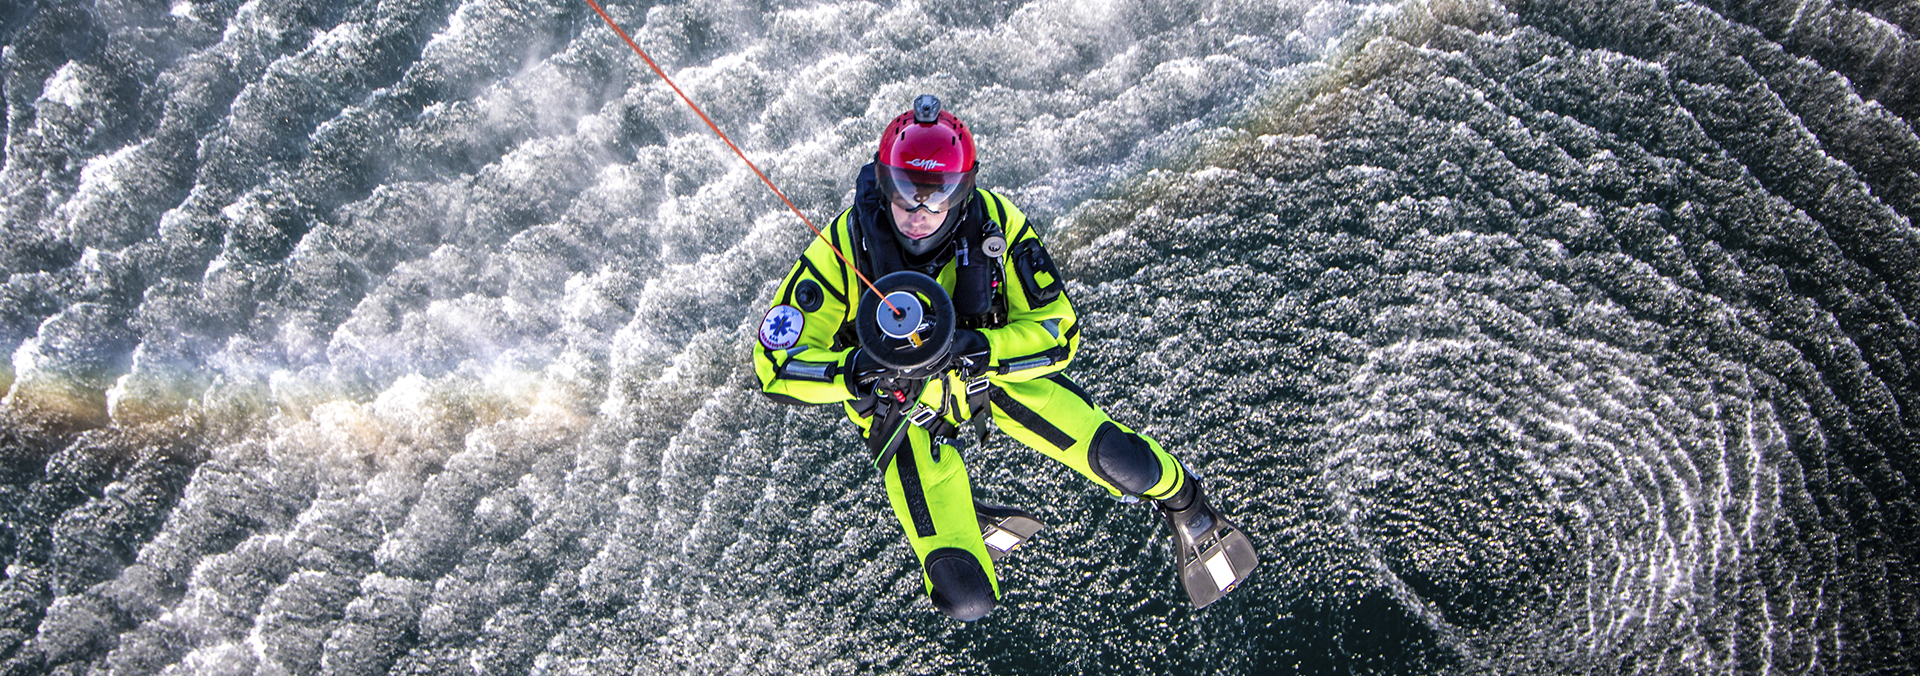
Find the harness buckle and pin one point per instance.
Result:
(921, 415)
(977, 386)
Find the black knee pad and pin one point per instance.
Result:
(960, 586)
(1124, 460)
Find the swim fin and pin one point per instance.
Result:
(1213, 554)
(1004, 528)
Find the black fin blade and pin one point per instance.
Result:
(1006, 532)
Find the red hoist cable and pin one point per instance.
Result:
(743, 156)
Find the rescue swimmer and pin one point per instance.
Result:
(975, 320)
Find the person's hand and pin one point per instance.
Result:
(933, 369)
(969, 353)
(866, 371)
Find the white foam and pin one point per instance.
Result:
(67, 86)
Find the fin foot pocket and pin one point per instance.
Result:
(1213, 554)
(1004, 528)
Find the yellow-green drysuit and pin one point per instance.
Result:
(804, 354)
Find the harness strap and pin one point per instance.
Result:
(977, 404)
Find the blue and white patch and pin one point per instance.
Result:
(781, 328)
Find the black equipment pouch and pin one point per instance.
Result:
(1039, 278)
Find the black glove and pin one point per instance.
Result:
(863, 373)
(970, 353)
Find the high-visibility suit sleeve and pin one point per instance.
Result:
(1042, 332)
(795, 355)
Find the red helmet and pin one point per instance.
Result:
(926, 161)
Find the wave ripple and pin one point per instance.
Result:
(404, 336)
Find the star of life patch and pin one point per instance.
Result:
(781, 328)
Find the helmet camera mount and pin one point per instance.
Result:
(926, 109)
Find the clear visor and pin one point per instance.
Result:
(935, 191)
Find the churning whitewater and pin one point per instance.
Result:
(410, 336)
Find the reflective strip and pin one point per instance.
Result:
(807, 370)
(1053, 327)
(1024, 364)
(1050, 357)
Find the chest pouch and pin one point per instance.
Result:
(1039, 278)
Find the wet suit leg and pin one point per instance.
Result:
(933, 499)
(1054, 416)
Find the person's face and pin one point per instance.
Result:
(916, 224)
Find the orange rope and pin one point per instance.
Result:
(743, 156)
